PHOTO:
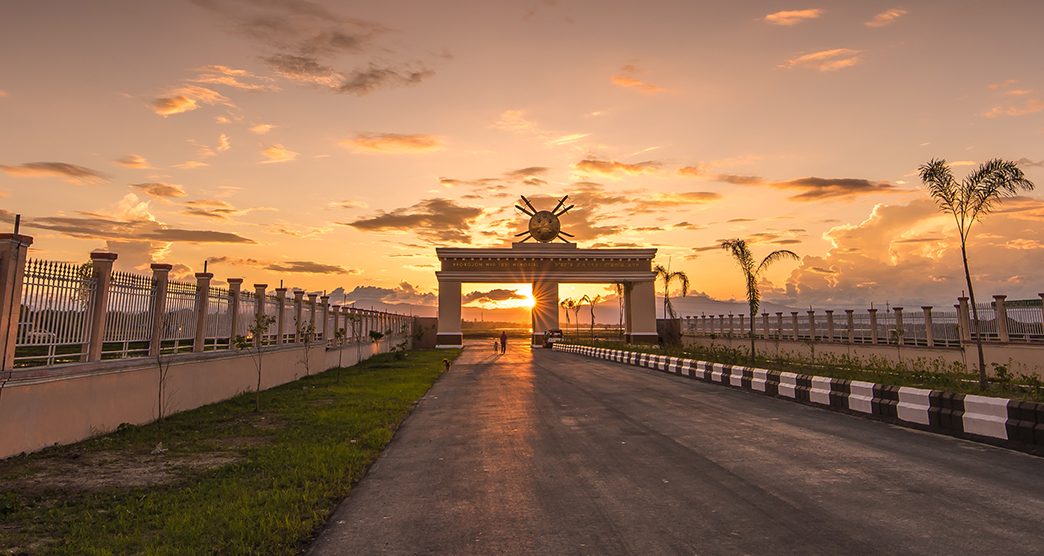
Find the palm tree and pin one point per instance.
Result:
(576, 313)
(968, 201)
(620, 301)
(591, 302)
(752, 274)
(667, 276)
(568, 304)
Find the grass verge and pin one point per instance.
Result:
(919, 372)
(218, 479)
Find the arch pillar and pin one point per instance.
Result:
(640, 312)
(449, 334)
(545, 310)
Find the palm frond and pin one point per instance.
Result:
(684, 278)
(992, 181)
(753, 294)
(775, 256)
(942, 186)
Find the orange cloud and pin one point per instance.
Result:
(815, 189)
(261, 129)
(70, 172)
(276, 154)
(674, 200)
(135, 161)
(696, 170)
(886, 17)
(629, 82)
(235, 78)
(191, 164)
(393, 143)
(614, 168)
(186, 99)
(223, 143)
(1029, 106)
(1030, 103)
(911, 254)
(626, 79)
(160, 190)
(825, 60)
(793, 17)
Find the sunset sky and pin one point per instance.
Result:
(337, 144)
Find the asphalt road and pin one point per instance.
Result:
(540, 452)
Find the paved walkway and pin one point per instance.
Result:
(540, 452)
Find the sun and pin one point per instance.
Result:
(528, 300)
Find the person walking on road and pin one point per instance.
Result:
(503, 342)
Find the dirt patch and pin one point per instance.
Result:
(106, 470)
(264, 422)
(240, 442)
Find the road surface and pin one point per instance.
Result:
(541, 452)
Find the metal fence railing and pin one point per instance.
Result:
(128, 316)
(218, 321)
(69, 312)
(55, 313)
(247, 313)
(179, 323)
(1024, 324)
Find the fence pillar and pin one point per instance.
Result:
(260, 292)
(765, 324)
(160, 281)
(731, 327)
(1041, 309)
(812, 325)
(298, 314)
(102, 264)
(779, 325)
(703, 322)
(13, 250)
(743, 323)
(964, 319)
(280, 315)
(235, 291)
(873, 325)
(850, 321)
(929, 334)
(794, 324)
(1000, 312)
(311, 315)
(830, 324)
(336, 310)
(324, 308)
(202, 297)
(900, 332)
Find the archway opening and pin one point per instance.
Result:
(491, 308)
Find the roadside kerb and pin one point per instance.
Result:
(1000, 421)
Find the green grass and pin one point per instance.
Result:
(915, 372)
(230, 481)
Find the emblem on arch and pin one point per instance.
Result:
(544, 225)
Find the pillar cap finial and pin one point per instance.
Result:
(23, 239)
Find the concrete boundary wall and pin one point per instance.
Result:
(64, 404)
(1000, 421)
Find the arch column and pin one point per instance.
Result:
(640, 312)
(545, 310)
(449, 334)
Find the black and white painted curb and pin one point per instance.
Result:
(1012, 423)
